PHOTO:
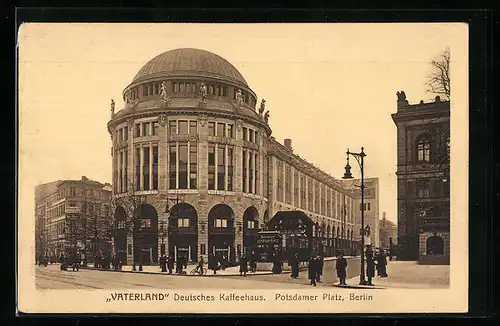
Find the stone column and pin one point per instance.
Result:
(202, 205)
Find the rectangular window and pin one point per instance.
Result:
(181, 87)
(175, 87)
(211, 128)
(151, 89)
(221, 167)
(145, 168)
(193, 130)
(137, 169)
(157, 88)
(230, 131)
(145, 90)
(250, 224)
(211, 166)
(145, 129)
(256, 138)
(155, 167)
(137, 130)
(221, 129)
(183, 166)
(125, 175)
(125, 133)
(121, 176)
(257, 167)
(220, 223)
(245, 133)
(250, 136)
(250, 172)
(224, 91)
(193, 160)
(172, 174)
(172, 127)
(183, 127)
(244, 165)
(230, 157)
(154, 128)
(73, 192)
(120, 134)
(145, 223)
(183, 222)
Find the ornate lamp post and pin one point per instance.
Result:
(347, 175)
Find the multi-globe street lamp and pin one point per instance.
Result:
(347, 175)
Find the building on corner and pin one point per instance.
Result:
(423, 174)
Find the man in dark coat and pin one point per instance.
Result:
(341, 266)
(170, 263)
(312, 270)
(295, 266)
(320, 264)
(179, 264)
(277, 264)
(243, 265)
(370, 265)
(163, 263)
(212, 263)
(382, 264)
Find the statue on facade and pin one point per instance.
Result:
(203, 92)
(401, 96)
(163, 91)
(262, 107)
(112, 108)
(266, 116)
(239, 97)
(162, 120)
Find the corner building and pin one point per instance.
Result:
(198, 164)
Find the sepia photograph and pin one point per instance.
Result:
(298, 168)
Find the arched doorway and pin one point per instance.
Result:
(120, 234)
(183, 232)
(221, 232)
(250, 228)
(435, 245)
(146, 235)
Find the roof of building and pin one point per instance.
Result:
(188, 61)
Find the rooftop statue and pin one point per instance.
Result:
(163, 91)
(262, 107)
(266, 116)
(112, 108)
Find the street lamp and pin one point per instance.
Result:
(347, 175)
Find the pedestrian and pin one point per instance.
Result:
(179, 264)
(243, 265)
(312, 270)
(320, 263)
(212, 263)
(295, 266)
(370, 265)
(163, 263)
(341, 266)
(253, 262)
(170, 263)
(277, 264)
(382, 264)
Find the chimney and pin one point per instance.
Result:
(288, 143)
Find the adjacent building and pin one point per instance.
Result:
(423, 173)
(72, 215)
(371, 207)
(388, 233)
(197, 171)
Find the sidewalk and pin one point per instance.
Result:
(230, 271)
(411, 275)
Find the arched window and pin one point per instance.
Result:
(435, 245)
(423, 149)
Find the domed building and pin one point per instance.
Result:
(197, 171)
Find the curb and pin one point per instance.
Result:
(166, 274)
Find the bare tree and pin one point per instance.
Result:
(438, 82)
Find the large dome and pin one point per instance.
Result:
(187, 61)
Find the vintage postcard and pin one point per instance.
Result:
(243, 168)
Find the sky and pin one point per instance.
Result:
(328, 87)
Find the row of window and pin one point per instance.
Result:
(314, 197)
(186, 127)
(424, 188)
(220, 167)
(251, 168)
(185, 88)
(57, 211)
